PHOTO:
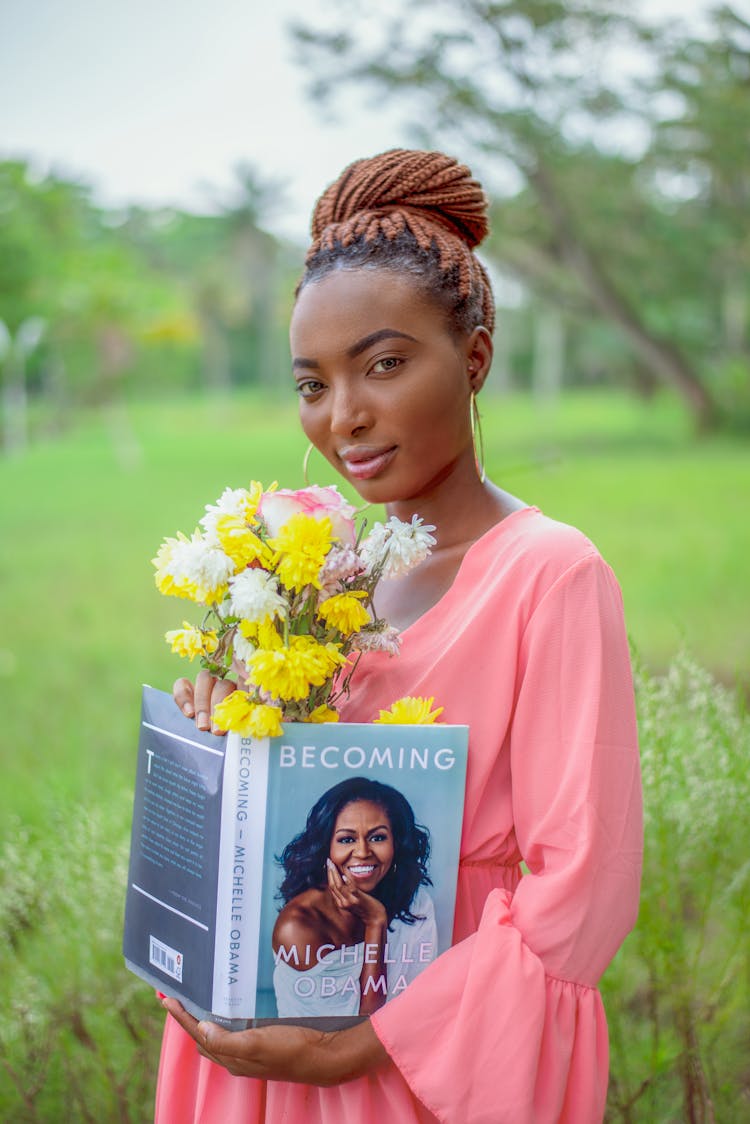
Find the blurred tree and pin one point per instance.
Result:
(562, 103)
(14, 352)
(130, 300)
(702, 150)
(42, 220)
(232, 271)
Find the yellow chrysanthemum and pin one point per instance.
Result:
(289, 673)
(410, 711)
(249, 629)
(254, 492)
(301, 547)
(345, 612)
(240, 543)
(193, 567)
(238, 713)
(190, 642)
(323, 713)
(262, 634)
(165, 581)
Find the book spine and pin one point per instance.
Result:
(240, 884)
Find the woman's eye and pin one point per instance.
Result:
(379, 837)
(345, 839)
(309, 388)
(386, 365)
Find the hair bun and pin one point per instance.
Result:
(432, 183)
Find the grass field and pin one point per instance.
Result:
(81, 516)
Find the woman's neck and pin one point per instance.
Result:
(460, 507)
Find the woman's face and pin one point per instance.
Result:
(362, 843)
(384, 386)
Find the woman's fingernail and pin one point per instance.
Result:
(203, 721)
(188, 709)
(329, 864)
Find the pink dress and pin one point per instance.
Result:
(506, 1027)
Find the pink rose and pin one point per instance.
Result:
(275, 508)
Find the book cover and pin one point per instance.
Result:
(228, 867)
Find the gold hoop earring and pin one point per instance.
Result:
(305, 467)
(306, 464)
(477, 439)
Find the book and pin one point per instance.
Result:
(230, 832)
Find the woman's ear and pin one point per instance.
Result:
(479, 352)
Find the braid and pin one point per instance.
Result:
(418, 212)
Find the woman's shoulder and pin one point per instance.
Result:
(300, 920)
(526, 556)
(535, 543)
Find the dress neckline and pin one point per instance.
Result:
(490, 533)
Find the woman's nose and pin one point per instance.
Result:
(361, 848)
(349, 413)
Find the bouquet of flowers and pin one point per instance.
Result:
(287, 584)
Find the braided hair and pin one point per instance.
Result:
(412, 212)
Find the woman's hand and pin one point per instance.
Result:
(351, 899)
(285, 1053)
(373, 979)
(199, 701)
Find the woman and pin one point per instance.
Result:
(514, 624)
(355, 909)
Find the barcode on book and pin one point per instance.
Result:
(166, 958)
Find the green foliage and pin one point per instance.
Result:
(77, 1033)
(135, 302)
(678, 995)
(613, 149)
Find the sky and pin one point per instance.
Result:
(152, 101)
(156, 101)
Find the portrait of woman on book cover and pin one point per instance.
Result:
(357, 923)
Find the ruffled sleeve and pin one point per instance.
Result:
(507, 1026)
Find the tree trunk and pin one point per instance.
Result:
(216, 364)
(549, 354)
(14, 406)
(659, 355)
(502, 375)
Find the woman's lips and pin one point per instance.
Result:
(363, 464)
(361, 870)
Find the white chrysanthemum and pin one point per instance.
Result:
(199, 562)
(386, 640)
(254, 596)
(372, 548)
(396, 547)
(243, 649)
(232, 501)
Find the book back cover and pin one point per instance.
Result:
(170, 913)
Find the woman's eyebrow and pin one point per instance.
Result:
(312, 364)
(375, 337)
(358, 347)
(352, 830)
